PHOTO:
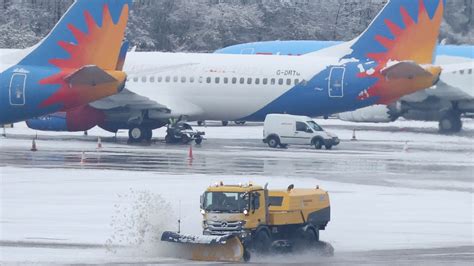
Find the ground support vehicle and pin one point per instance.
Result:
(181, 132)
(262, 221)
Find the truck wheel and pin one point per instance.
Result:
(306, 239)
(247, 255)
(318, 144)
(262, 242)
(273, 142)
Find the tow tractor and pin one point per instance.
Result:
(182, 132)
(239, 220)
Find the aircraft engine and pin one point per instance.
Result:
(371, 114)
(79, 119)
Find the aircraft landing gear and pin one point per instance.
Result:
(450, 123)
(140, 134)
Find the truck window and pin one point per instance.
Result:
(256, 201)
(226, 202)
(300, 126)
(275, 201)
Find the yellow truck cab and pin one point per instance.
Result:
(264, 218)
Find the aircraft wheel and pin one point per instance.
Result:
(136, 134)
(450, 123)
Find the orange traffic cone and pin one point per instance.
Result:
(99, 143)
(33, 146)
(83, 158)
(354, 138)
(190, 155)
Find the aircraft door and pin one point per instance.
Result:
(17, 89)
(336, 82)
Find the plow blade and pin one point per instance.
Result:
(206, 248)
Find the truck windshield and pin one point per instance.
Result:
(314, 126)
(225, 202)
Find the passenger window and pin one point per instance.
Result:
(234, 80)
(301, 127)
(152, 79)
(183, 79)
(209, 80)
(218, 80)
(175, 79)
(257, 81)
(200, 79)
(272, 81)
(265, 81)
(288, 82)
(461, 72)
(249, 81)
(242, 80)
(160, 79)
(470, 71)
(191, 79)
(226, 80)
(297, 81)
(135, 79)
(168, 79)
(143, 79)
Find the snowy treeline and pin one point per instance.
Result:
(206, 25)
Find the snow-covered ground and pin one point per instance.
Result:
(112, 208)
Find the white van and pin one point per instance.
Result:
(283, 130)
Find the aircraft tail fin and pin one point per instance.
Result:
(405, 30)
(89, 33)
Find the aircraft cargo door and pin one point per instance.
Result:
(336, 82)
(17, 89)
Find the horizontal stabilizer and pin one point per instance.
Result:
(405, 70)
(89, 76)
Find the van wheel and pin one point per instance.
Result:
(318, 144)
(273, 142)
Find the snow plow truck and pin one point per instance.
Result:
(242, 219)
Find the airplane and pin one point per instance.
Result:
(72, 66)
(452, 97)
(392, 58)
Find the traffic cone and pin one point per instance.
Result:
(405, 147)
(83, 158)
(99, 143)
(33, 146)
(354, 138)
(190, 155)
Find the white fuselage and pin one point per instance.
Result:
(218, 87)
